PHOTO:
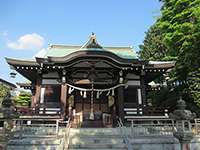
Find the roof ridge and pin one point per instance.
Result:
(114, 47)
(63, 45)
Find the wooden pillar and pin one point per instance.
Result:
(63, 99)
(33, 91)
(143, 91)
(38, 90)
(114, 116)
(37, 93)
(120, 102)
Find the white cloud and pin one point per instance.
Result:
(5, 33)
(40, 53)
(27, 42)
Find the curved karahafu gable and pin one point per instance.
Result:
(90, 45)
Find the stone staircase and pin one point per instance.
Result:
(36, 138)
(44, 138)
(96, 139)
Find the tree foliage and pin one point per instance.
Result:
(4, 91)
(153, 47)
(180, 28)
(23, 99)
(175, 36)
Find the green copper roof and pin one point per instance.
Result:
(90, 45)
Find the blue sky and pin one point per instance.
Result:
(28, 26)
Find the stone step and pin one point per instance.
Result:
(94, 139)
(36, 136)
(98, 146)
(34, 141)
(93, 136)
(39, 130)
(95, 131)
(35, 147)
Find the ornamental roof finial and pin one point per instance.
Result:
(92, 43)
(93, 36)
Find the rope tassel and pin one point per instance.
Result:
(70, 90)
(84, 94)
(108, 93)
(98, 94)
(81, 93)
(91, 115)
(113, 92)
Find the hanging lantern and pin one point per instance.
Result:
(63, 79)
(12, 74)
(121, 80)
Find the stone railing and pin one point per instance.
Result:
(148, 127)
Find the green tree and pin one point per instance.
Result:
(180, 27)
(153, 47)
(179, 34)
(23, 99)
(4, 91)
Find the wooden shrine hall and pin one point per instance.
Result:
(94, 84)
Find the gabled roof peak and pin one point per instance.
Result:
(92, 43)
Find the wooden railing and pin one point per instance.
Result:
(154, 111)
(41, 109)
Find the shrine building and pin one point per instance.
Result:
(96, 84)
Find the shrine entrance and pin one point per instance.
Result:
(92, 108)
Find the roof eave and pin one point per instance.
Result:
(20, 62)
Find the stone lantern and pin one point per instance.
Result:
(9, 112)
(183, 127)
